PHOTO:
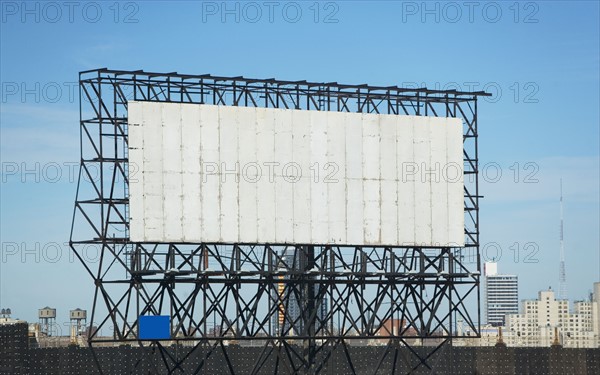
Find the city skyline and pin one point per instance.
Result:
(521, 300)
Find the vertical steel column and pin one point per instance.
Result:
(309, 312)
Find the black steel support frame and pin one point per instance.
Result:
(224, 294)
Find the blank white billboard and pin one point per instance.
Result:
(224, 174)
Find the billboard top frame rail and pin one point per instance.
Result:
(273, 93)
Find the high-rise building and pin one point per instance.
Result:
(501, 295)
(547, 316)
(288, 319)
(596, 299)
(545, 319)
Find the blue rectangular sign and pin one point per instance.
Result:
(154, 327)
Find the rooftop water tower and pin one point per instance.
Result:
(78, 319)
(47, 318)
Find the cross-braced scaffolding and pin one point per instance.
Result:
(301, 303)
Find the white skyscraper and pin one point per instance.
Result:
(542, 318)
(501, 295)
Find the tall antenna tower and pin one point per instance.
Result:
(562, 292)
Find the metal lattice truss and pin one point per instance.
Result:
(316, 295)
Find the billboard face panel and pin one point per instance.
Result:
(224, 174)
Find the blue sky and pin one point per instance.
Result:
(539, 59)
